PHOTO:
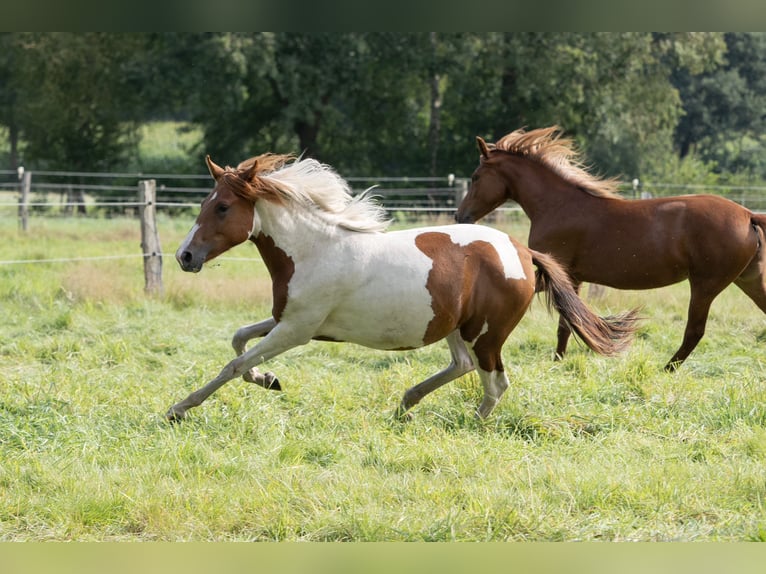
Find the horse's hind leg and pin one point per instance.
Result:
(266, 380)
(495, 384)
(751, 280)
(754, 289)
(699, 307)
(460, 365)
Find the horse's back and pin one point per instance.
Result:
(421, 284)
(649, 243)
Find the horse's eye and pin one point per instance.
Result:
(221, 208)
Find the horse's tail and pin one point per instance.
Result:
(604, 335)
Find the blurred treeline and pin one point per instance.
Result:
(686, 107)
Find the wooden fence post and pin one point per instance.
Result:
(150, 239)
(26, 184)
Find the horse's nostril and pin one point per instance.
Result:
(186, 257)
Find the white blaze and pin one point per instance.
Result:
(185, 245)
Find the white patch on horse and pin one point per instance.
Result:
(256, 223)
(215, 194)
(380, 273)
(484, 329)
(187, 241)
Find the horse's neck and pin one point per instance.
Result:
(541, 193)
(295, 231)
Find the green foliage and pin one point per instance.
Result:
(583, 449)
(167, 147)
(723, 117)
(386, 103)
(75, 104)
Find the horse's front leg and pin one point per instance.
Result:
(281, 338)
(563, 332)
(266, 380)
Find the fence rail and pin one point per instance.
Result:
(52, 192)
(60, 192)
(141, 195)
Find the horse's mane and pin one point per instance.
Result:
(547, 147)
(308, 183)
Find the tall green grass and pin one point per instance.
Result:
(583, 449)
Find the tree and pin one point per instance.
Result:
(611, 91)
(273, 89)
(353, 100)
(80, 102)
(725, 108)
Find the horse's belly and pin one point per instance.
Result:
(380, 324)
(391, 310)
(637, 275)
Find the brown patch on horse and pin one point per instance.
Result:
(281, 268)
(246, 180)
(548, 147)
(238, 213)
(481, 299)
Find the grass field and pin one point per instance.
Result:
(583, 449)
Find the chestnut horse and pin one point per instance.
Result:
(602, 238)
(336, 276)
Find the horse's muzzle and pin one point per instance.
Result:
(463, 218)
(188, 262)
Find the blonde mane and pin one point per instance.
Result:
(313, 185)
(547, 147)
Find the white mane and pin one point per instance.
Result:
(309, 183)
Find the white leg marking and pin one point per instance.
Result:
(495, 383)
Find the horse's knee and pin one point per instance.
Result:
(239, 342)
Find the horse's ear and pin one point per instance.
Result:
(249, 174)
(483, 147)
(215, 170)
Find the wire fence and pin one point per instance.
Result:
(61, 193)
(110, 193)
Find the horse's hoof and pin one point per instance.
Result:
(402, 416)
(271, 382)
(672, 367)
(173, 416)
(266, 380)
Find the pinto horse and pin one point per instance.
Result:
(602, 238)
(337, 276)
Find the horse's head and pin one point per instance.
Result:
(227, 216)
(488, 187)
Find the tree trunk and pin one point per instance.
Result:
(435, 124)
(13, 139)
(307, 137)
